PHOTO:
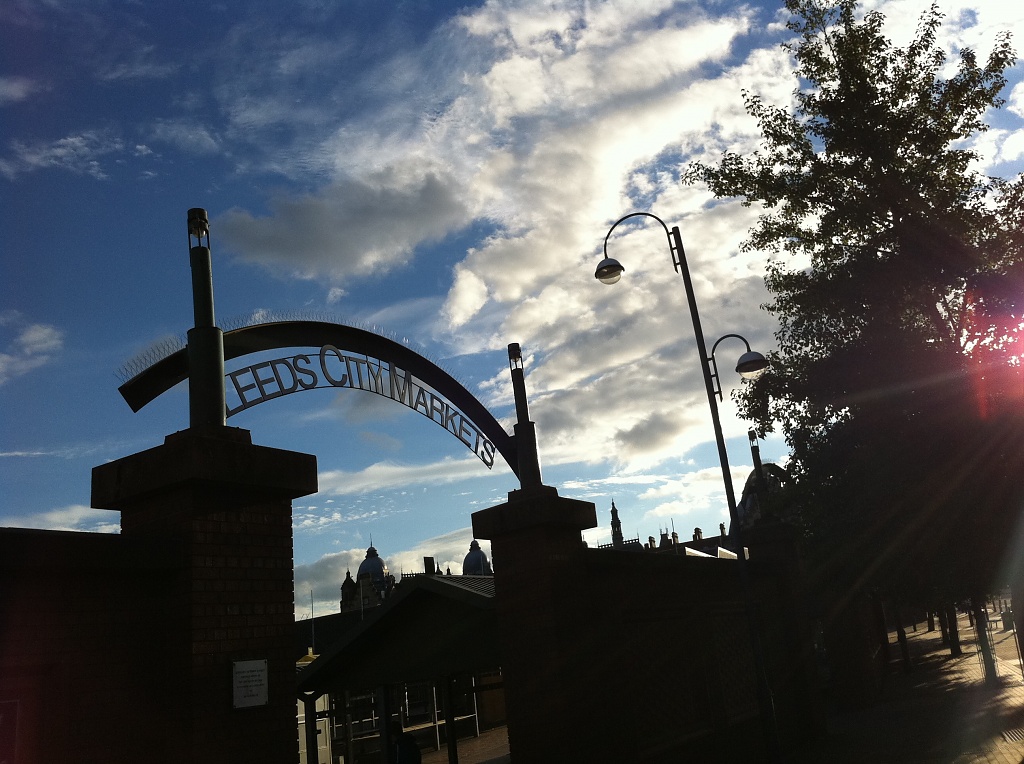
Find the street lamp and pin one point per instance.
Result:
(751, 365)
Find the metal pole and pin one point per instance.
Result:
(450, 736)
(764, 695)
(525, 430)
(310, 728)
(433, 717)
(205, 340)
(476, 709)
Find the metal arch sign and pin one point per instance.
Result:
(252, 385)
(367, 362)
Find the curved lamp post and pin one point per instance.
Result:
(750, 366)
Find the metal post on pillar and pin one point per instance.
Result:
(206, 397)
(525, 430)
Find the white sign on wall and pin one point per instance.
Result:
(249, 680)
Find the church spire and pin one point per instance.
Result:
(616, 528)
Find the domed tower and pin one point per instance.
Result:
(373, 568)
(373, 583)
(476, 563)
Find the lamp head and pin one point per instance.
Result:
(198, 227)
(609, 271)
(751, 365)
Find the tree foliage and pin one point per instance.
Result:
(900, 305)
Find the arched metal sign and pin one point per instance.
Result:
(346, 357)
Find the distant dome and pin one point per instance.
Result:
(374, 567)
(476, 563)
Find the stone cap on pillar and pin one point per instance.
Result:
(221, 464)
(527, 510)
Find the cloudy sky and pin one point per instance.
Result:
(443, 172)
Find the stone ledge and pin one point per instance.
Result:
(528, 510)
(221, 462)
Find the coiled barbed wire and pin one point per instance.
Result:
(158, 351)
(169, 345)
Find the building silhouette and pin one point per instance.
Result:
(420, 651)
(372, 585)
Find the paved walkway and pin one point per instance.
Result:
(941, 712)
(490, 748)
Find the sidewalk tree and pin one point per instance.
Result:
(899, 291)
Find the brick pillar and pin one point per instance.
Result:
(223, 505)
(535, 548)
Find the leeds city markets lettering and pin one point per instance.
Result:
(271, 379)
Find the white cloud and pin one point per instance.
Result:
(14, 89)
(190, 137)
(90, 450)
(12, 366)
(28, 346)
(466, 297)
(78, 153)
(71, 518)
(1012, 148)
(619, 365)
(139, 63)
(695, 491)
(575, 147)
(353, 228)
(386, 475)
(39, 339)
(1015, 100)
(605, 102)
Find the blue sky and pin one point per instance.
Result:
(445, 172)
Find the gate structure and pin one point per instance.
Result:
(173, 640)
(231, 623)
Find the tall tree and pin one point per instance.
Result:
(897, 376)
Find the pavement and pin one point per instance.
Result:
(939, 712)
(490, 748)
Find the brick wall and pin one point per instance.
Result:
(120, 648)
(241, 601)
(82, 632)
(611, 655)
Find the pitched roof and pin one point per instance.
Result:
(431, 627)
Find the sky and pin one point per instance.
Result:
(443, 173)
